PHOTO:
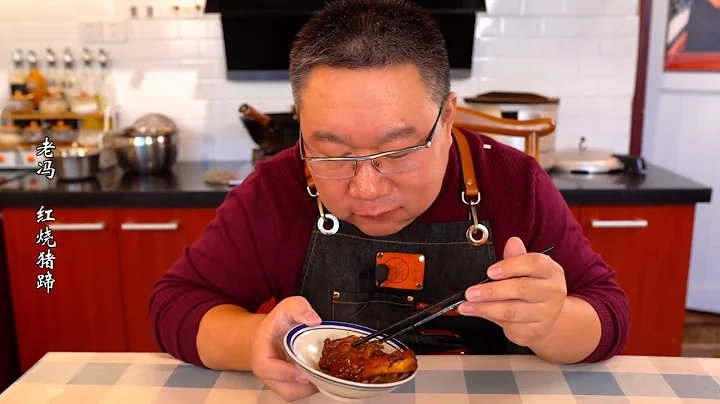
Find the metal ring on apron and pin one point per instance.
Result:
(474, 228)
(335, 224)
(326, 216)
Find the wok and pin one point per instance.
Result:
(271, 132)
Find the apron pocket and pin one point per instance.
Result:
(375, 310)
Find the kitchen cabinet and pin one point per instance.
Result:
(84, 309)
(649, 248)
(107, 262)
(149, 242)
(109, 259)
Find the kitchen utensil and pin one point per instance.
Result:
(520, 106)
(426, 315)
(149, 146)
(272, 132)
(594, 161)
(75, 162)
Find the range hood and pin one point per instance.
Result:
(230, 6)
(258, 34)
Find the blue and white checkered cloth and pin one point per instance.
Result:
(138, 378)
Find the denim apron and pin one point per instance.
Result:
(340, 278)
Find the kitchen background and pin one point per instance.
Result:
(584, 52)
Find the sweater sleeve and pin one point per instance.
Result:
(222, 267)
(587, 275)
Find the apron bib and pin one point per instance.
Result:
(375, 282)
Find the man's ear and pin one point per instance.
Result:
(448, 117)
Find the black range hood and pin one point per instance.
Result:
(258, 34)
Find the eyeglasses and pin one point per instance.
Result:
(389, 162)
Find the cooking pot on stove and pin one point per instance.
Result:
(149, 146)
(594, 161)
(271, 132)
(76, 163)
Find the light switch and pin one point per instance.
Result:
(91, 32)
(114, 31)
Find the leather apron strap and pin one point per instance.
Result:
(470, 195)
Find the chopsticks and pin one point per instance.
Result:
(422, 316)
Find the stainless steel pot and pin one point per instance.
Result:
(76, 163)
(148, 147)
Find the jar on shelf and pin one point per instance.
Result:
(53, 104)
(20, 103)
(34, 133)
(10, 137)
(61, 133)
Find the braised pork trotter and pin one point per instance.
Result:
(366, 363)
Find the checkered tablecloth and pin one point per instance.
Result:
(113, 378)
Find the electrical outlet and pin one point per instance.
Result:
(91, 32)
(114, 31)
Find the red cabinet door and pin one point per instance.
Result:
(83, 310)
(649, 248)
(150, 241)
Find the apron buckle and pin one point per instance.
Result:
(321, 224)
(476, 226)
(326, 216)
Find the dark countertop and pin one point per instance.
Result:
(184, 188)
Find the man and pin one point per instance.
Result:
(371, 78)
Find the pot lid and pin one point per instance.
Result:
(501, 97)
(585, 161)
(18, 95)
(152, 125)
(76, 151)
(10, 128)
(34, 127)
(61, 125)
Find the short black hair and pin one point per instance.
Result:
(363, 34)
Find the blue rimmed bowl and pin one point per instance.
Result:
(304, 345)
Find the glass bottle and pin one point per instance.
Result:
(35, 82)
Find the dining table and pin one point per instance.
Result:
(158, 378)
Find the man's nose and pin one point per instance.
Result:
(368, 182)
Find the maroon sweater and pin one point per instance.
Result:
(254, 248)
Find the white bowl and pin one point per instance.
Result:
(304, 346)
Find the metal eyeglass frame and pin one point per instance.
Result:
(372, 157)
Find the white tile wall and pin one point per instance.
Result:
(583, 51)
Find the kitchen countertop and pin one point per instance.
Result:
(109, 378)
(184, 188)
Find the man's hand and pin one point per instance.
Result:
(526, 297)
(268, 356)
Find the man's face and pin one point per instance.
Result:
(347, 112)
